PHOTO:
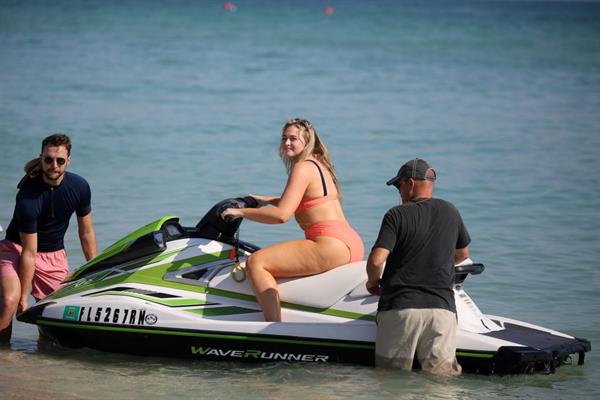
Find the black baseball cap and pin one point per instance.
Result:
(416, 169)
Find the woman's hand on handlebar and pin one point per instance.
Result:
(232, 213)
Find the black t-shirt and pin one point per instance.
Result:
(421, 237)
(46, 210)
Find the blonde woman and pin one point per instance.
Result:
(312, 194)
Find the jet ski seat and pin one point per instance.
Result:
(325, 289)
(321, 290)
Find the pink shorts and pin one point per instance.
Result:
(50, 268)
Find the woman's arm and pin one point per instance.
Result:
(284, 208)
(265, 200)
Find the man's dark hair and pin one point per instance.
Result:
(58, 139)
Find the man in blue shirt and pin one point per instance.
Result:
(32, 256)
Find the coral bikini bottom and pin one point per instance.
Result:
(340, 230)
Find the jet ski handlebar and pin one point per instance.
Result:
(214, 226)
(238, 202)
(462, 271)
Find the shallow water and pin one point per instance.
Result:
(173, 106)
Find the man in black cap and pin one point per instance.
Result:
(419, 243)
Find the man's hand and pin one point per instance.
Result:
(374, 287)
(23, 304)
(375, 266)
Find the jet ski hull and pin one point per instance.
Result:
(209, 345)
(245, 347)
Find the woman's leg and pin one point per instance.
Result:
(289, 259)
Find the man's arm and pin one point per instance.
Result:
(26, 267)
(461, 255)
(375, 265)
(87, 236)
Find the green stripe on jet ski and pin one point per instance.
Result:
(206, 335)
(333, 313)
(165, 302)
(473, 355)
(220, 311)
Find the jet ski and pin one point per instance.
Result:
(169, 290)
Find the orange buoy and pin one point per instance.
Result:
(328, 10)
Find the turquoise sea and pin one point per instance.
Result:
(175, 105)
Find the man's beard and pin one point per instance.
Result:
(51, 178)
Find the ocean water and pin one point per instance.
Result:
(175, 105)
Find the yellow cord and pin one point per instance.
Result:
(237, 267)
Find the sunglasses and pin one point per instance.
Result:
(59, 160)
(300, 121)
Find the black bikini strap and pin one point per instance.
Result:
(322, 177)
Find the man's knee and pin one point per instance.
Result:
(9, 296)
(9, 300)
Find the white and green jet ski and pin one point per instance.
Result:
(168, 290)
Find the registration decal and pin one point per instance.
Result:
(71, 313)
(109, 315)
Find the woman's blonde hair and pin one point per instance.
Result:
(313, 146)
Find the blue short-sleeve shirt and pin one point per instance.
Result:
(46, 210)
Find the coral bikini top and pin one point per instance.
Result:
(310, 203)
